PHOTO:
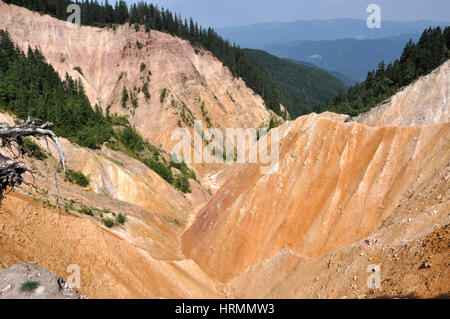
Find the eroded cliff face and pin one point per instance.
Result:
(337, 182)
(411, 248)
(184, 83)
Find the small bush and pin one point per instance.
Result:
(86, 211)
(273, 123)
(139, 45)
(79, 70)
(143, 66)
(124, 97)
(162, 97)
(131, 139)
(173, 220)
(134, 101)
(76, 177)
(162, 170)
(121, 219)
(146, 92)
(182, 184)
(29, 286)
(35, 150)
(108, 222)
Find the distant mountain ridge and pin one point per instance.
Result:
(260, 35)
(351, 57)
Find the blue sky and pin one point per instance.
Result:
(219, 13)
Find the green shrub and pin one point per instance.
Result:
(173, 220)
(134, 101)
(35, 150)
(79, 70)
(108, 222)
(131, 139)
(29, 286)
(146, 92)
(163, 95)
(162, 170)
(86, 211)
(143, 66)
(182, 184)
(76, 177)
(124, 97)
(182, 167)
(139, 45)
(273, 123)
(121, 219)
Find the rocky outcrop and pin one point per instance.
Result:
(26, 281)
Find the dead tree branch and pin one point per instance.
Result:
(11, 170)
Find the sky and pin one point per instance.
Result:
(221, 13)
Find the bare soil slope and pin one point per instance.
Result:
(337, 182)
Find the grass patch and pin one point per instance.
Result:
(86, 211)
(29, 286)
(76, 177)
(36, 150)
(173, 220)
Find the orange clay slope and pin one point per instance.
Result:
(336, 184)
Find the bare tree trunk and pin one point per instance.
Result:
(11, 170)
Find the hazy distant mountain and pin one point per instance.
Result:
(302, 87)
(260, 35)
(351, 57)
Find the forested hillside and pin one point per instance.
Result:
(31, 87)
(150, 16)
(418, 59)
(302, 88)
